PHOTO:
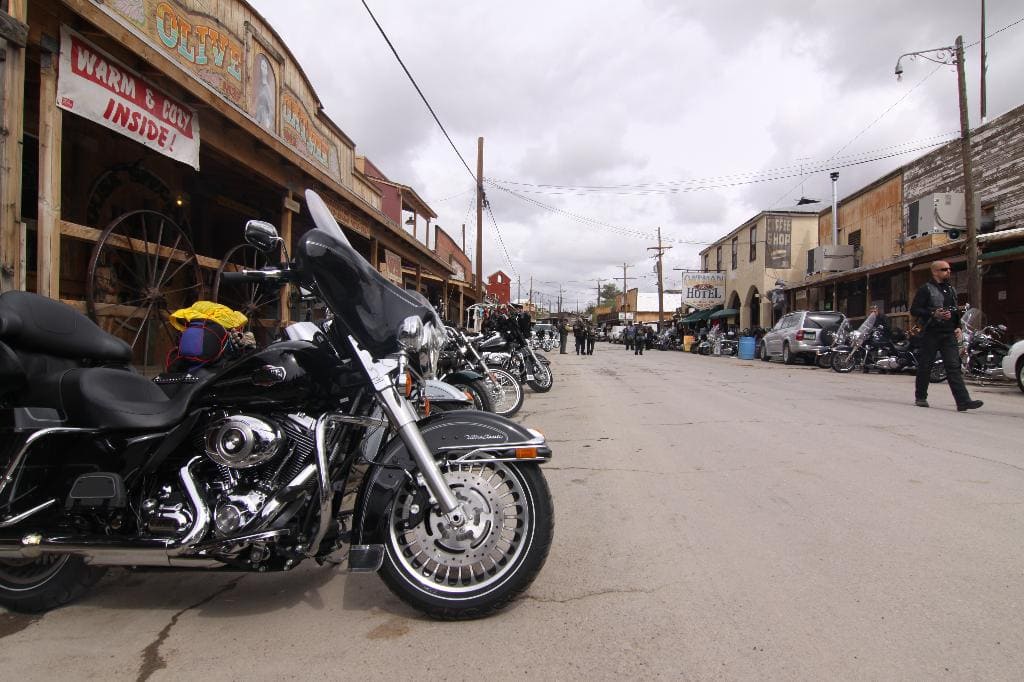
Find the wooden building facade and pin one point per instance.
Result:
(890, 266)
(141, 135)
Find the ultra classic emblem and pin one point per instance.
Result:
(268, 375)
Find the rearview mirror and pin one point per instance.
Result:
(262, 235)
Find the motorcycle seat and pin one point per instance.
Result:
(901, 345)
(35, 323)
(114, 399)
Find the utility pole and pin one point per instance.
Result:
(531, 290)
(625, 299)
(598, 301)
(479, 219)
(973, 272)
(661, 281)
(519, 289)
(463, 237)
(560, 290)
(984, 67)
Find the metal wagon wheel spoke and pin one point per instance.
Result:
(259, 302)
(143, 266)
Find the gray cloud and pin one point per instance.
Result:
(609, 93)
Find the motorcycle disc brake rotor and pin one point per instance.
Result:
(480, 552)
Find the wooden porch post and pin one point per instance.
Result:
(462, 307)
(288, 207)
(419, 278)
(48, 226)
(12, 120)
(375, 254)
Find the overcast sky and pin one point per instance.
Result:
(680, 105)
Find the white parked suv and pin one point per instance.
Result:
(1013, 364)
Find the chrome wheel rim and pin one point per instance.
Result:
(504, 392)
(500, 521)
(19, 575)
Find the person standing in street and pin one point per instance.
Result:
(935, 308)
(563, 335)
(591, 339)
(579, 333)
(628, 335)
(640, 340)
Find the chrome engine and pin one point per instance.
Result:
(889, 363)
(253, 456)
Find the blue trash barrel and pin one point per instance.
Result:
(748, 345)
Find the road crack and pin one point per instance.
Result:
(592, 595)
(152, 661)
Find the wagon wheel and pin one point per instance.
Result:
(142, 267)
(258, 301)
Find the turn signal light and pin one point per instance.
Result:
(800, 335)
(408, 384)
(526, 453)
(426, 407)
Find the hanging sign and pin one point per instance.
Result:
(703, 290)
(392, 267)
(97, 87)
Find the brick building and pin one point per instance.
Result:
(499, 286)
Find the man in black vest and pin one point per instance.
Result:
(935, 308)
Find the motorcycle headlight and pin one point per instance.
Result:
(411, 333)
(430, 350)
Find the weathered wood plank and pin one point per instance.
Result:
(91, 234)
(12, 30)
(48, 226)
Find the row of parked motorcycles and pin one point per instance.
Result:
(877, 347)
(350, 441)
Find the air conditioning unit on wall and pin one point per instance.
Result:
(939, 212)
(831, 258)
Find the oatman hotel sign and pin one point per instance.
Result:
(703, 290)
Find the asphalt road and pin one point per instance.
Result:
(716, 518)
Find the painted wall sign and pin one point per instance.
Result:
(197, 41)
(779, 243)
(95, 86)
(299, 131)
(703, 290)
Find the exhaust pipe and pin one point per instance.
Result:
(106, 551)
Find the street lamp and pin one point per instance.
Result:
(955, 55)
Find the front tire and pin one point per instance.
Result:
(844, 362)
(506, 393)
(52, 580)
(478, 390)
(454, 579)
(543, 379)
(764, 353)
(1020, 374)
(938, 373)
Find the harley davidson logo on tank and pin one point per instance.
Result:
(703, 290)
(197, 41)
(95, 86)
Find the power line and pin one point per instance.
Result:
(494, 223)
(669, 185)
(418, 90)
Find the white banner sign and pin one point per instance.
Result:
(95, 86)
(703, 290)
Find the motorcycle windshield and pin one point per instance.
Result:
(867, 325)
(973, 319)
(369, 306)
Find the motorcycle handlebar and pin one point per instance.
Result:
(265, 275)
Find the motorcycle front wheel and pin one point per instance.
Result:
(844, 362)
(505, 392)
(938, 373)
(825, 360)
(474, 573)
(543, 378)
(479, 392)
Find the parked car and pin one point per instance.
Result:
(799, 335)
(615, 333)
(1013, 364)
(543, 330)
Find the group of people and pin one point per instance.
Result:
(637, 338)
(584, 333)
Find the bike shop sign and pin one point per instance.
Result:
(95, 86)
(703, 290)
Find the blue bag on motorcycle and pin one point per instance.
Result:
(200, 343)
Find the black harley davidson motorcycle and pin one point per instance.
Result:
(462, 365)
(509, 350)
(296, 451)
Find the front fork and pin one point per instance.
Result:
(403, 417)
